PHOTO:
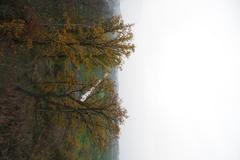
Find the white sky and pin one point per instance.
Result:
(182, 85)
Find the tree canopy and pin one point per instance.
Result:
(103, 43)
(55, 60)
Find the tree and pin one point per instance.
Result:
(101, 113)
(103, 43)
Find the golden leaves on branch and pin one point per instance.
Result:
(111, 39)
(13, 29)
(66, 49)
(102, 44)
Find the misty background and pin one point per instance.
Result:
(181, 87)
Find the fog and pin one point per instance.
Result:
(181, 86)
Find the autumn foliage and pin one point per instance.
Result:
(51, 63)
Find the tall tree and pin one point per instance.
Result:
(103, 43)
(101, 112)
